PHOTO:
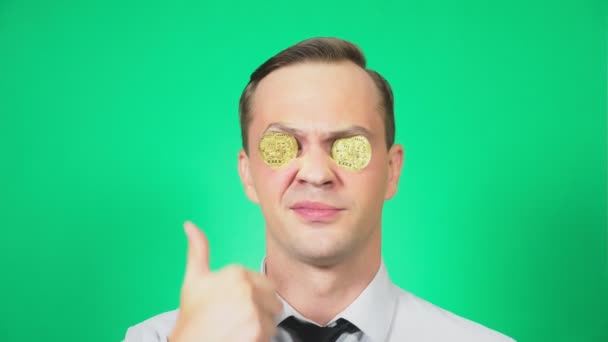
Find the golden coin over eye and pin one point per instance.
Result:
(352, 153)
(277, 149)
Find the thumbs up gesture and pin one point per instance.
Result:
(233, 304)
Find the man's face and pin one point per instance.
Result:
(315, 210)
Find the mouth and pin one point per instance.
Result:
(316, 211)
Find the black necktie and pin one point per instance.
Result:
(308, 332)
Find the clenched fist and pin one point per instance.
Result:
(233, 304)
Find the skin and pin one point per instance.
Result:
(318, 266)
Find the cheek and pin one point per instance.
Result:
(370, 184)
(368, 187)
(270, 183)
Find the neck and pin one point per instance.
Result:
(320, 293)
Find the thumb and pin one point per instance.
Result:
(197, 263)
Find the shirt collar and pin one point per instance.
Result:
(372, 311)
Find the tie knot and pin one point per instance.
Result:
(309, 332)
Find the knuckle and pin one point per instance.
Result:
(236, 272)
(245, 291)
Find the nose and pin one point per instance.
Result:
(316, 168)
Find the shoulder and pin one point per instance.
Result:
(154, 329)
(421, 320)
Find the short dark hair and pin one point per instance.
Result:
(317, 50)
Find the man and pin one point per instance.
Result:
(319, 158)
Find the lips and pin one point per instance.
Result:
(316, 211)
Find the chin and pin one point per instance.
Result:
(317, 243)
(322, 253)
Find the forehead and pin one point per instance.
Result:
(317, 96)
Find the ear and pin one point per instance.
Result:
(246, 179)
(395, 162)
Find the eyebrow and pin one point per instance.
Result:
(347, 132)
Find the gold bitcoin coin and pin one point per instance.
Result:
(277, 149)
(352, 153)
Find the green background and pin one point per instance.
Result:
(119, 121)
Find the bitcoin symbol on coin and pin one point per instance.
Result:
(277, 149)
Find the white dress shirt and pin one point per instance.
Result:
(383, 312)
